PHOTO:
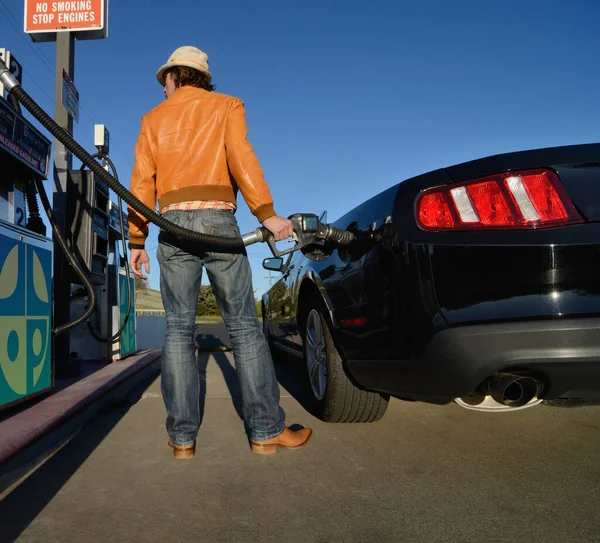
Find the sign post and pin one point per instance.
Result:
(63, 164)
(63, 22)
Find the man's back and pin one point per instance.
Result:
(197, 143)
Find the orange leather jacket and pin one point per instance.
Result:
(193, 147)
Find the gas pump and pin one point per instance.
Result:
(106, 336)
(25, 261)
(117, 302)
(120, 291)
(116, 299)
(98, 232)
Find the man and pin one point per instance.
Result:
(193, 154)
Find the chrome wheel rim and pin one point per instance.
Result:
(316, 354)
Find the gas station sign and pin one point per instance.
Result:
(86, 18)
(70, 96)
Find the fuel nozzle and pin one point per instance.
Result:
(337, 236)
(309, 227)
(308, 230)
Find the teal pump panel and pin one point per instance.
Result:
(25, 314)
(127, 341)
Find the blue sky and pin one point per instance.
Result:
(344, 98)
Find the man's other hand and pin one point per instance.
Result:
(138, 258)
(280, 227)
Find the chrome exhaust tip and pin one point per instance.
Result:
(513, 390)
(504, 392)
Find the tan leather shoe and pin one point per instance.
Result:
(186, 451)
(288, 440)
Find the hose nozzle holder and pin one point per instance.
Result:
(6, 78)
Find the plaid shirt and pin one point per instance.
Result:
(189, 206)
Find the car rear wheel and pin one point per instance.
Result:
(335, 397)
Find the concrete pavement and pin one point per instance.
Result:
(32, 431)
(423, 473)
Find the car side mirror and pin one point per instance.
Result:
(274, 264)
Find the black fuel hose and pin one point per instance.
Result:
(337, 236)
(14, 102)
(34, 221)
(233, 243)
(71, 259)
(32, 204)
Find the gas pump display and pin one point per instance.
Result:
(19, 139)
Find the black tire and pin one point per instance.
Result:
(339, 400)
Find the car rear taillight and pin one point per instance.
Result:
(513, 200)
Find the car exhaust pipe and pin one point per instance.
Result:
(513, 390)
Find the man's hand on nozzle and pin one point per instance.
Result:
(139, 257)
(280, 227)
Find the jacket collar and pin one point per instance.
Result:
(185, 92)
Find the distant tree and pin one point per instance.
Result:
(140, 284)
(258, 304)
(207, 302)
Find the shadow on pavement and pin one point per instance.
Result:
(231, 380)
(292, 376)
(290, 371)
(20, 508)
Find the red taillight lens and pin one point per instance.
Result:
(544, 198)
(490, 204)
(435, 211)
(529, 199)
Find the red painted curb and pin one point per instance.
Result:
(28, 426)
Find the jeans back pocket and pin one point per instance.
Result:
(224, 225)
(165, 250)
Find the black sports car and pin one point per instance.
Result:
(478, 283)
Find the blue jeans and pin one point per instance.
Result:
(230, 277)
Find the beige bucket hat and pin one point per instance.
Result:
(185, 56)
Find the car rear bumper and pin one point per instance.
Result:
(564, 354)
